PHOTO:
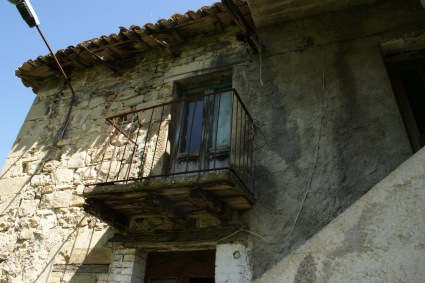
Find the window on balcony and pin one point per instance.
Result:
(207, 130)
(204, 134)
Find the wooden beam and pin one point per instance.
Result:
(167, 47)
(164, 206)
(209, 203)
(178, 36)
(81, 268)
(98, 209)
(101, 60)
(248, 32)
(177, 240)
(217, 24)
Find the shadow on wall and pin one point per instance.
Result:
(42, 221)
(322, 150)
(84, 257)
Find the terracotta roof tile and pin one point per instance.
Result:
(135, 39)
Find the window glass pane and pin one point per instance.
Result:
(222, 120)
(192, 129)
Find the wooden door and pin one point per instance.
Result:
(180, 267)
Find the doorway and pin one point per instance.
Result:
(180, 267)
(408, 81)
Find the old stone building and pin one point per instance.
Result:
(266, 141)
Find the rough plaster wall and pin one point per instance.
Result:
(379, 239)
(329, 127)
(232, 264)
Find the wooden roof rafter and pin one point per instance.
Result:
(248, 32)
(116, 47)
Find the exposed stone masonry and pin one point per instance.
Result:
(41, 215)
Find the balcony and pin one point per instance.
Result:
(177, 166)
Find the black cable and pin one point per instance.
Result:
(68, 116)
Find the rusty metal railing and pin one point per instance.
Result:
(195, 135)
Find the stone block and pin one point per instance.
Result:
(77, 201)
(60, 199)
(102, 277)
(91, 256)
(51, 165)
(41, 180)
(166, 90)
(119, 278)
(28, 207)
(78, 160)
(80, 117)
(98, 112)
(125, 251)
(80, 189)
(126, 264)
(96, 101)
(64, 176)
(129, 258)
(127, 271)
(133, 101)
(83, 104)
(114, 107)
(46, 189)
(48, 221)
(55, 277)
(151, 96)
(117, 258)
(26, 234)
(128, 93)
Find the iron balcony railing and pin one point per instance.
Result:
(195, 135)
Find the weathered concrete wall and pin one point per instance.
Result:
(378, 239)
(329, 126)
(232, 264)
(328, 130)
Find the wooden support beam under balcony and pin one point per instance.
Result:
(209, 203)
(96, 208)
(178, 203)
(163, 205)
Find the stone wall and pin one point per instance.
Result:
(45, 232)
(327, 130)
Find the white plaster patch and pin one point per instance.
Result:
(232, 264)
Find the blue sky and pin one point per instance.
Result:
(63, 23)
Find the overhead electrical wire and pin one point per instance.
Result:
(28, 14)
